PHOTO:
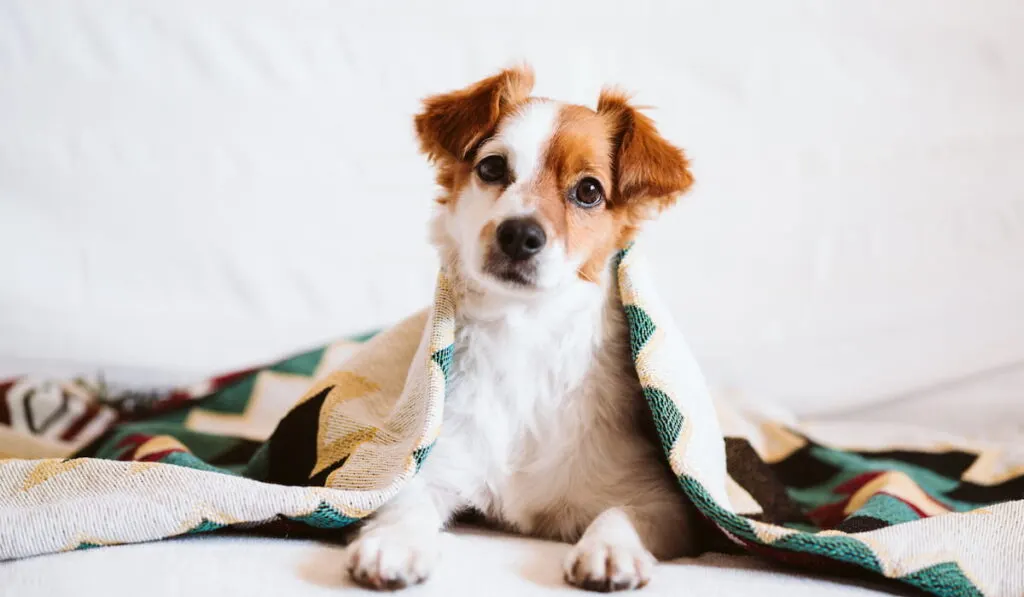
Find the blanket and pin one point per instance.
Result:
(318, 441)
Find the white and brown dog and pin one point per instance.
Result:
(545, 428)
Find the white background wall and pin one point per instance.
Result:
(194, 185)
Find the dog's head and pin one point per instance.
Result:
(539, 194)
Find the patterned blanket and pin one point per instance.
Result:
(317, 441)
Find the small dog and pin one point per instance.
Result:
(545, 427)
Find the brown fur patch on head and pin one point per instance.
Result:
(640, 171)
(579, 148)
(648, 169)
(453, 124)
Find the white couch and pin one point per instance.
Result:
(192, 186)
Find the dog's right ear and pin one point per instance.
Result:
(453, 124)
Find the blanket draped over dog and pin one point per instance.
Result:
(321, 440)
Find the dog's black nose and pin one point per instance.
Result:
(521, 238)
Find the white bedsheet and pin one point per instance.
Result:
(474, 564)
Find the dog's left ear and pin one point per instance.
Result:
(452, 124)
(648, 169)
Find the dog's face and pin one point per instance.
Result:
(540, 194)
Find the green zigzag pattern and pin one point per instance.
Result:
(945, 580)
(444, 358)
(324, 517)
(205, 526)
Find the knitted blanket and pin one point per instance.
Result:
(320, 440)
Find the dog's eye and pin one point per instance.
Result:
(492, 168)
(588, 193)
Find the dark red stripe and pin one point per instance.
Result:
(851, 486)
(90, 413)
(829, 515)
(916, 510)
(158, 456)
(227, 379)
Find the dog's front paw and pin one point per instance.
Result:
(388, 560)
(602, 566)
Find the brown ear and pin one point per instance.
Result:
(646, 166)
(452, 124)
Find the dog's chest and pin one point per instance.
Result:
(533, 409)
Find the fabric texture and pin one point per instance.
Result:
(946, 519)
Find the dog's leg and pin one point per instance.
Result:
(615, 552)
(398, 546)
(610, 556)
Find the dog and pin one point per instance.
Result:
(545, 427)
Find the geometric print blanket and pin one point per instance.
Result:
(315, 442)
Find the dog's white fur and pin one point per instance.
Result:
(543, 414)
(522, 140)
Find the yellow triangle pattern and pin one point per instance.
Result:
(342, 447)
(48, 469)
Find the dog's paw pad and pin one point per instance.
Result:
(388, 562)
(605, 567)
